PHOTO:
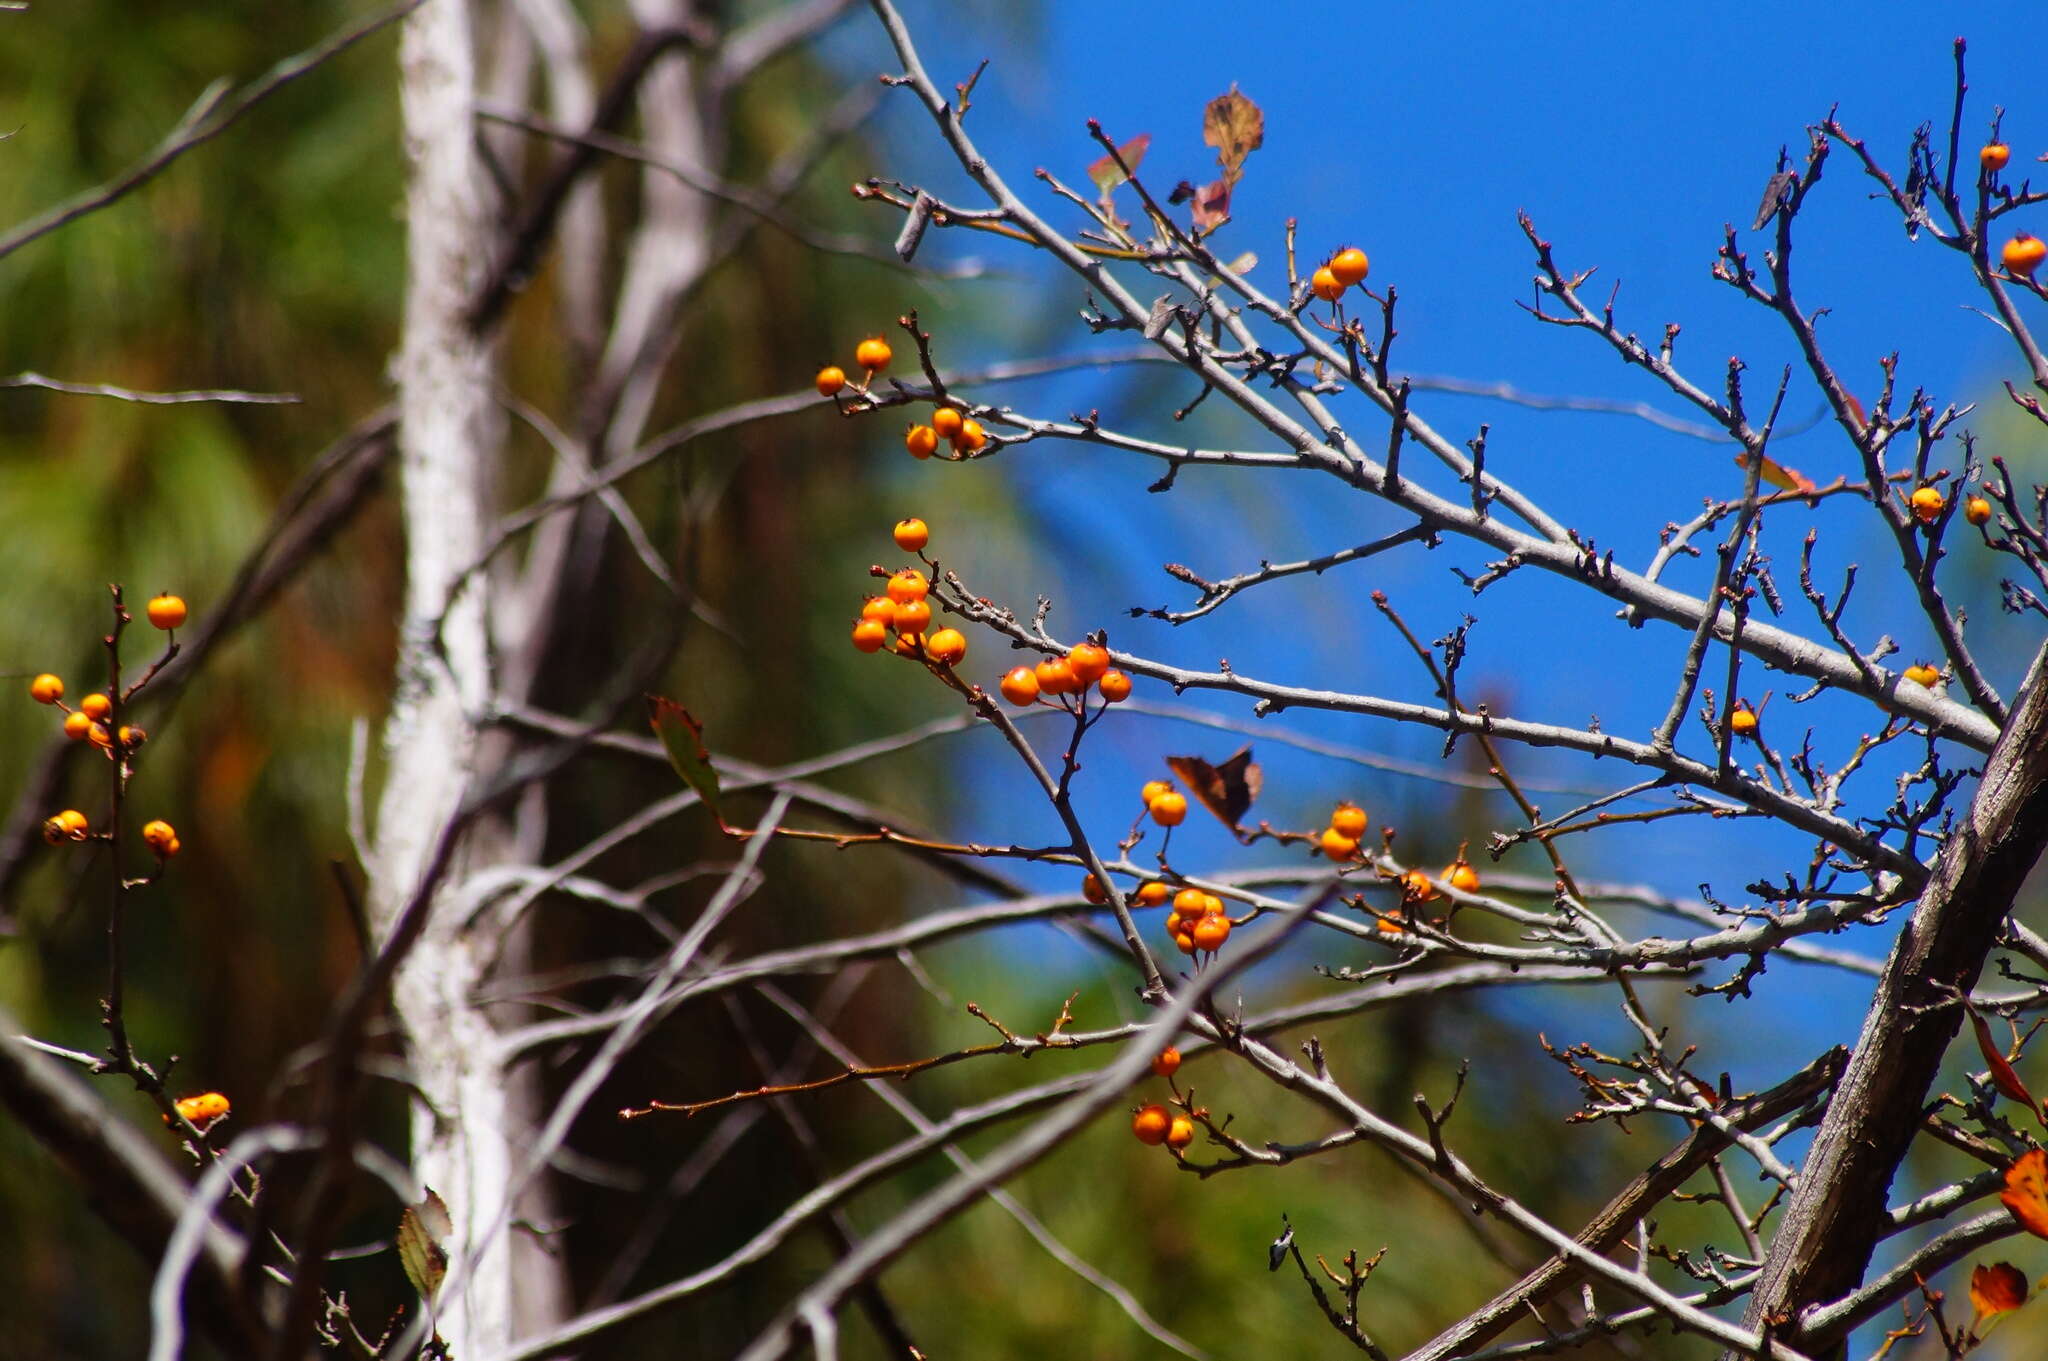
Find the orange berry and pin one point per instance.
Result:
(73, 822)
(881, 609)
(915, 616)
(1167, 1063)
(1927, 504)
(76, 726)
(1923, 674)
(1169, 809)
(1460, 875)
(1152, 893)
(1388, 925)
(53, 831)
(1211, 931)
(971, 437)
(1336, 845)
(1416, 888)
(921, 440)
(1177, 925)
(946, 647)
(1977, 511)
(1348, 266)
(1180, 1133)
(1115, 686)
(172, 849)
(946, 422)
(165, 612)
(1089, 662)
(1348, 819)
(96, 707)
(204, 1107)
(1183, 942)
(870, 634)
(2023, 254)
(1151, 1125)
(1056, 677)
(1020, 686)
(1211, 904)
(99, 736)
(912, 534)
(46, 688)
(1190, 903)
(1742, 722)
(907, 644)
(830, 379)
(1093, 891)
(1152, 790)
(873, 354)
(1994, 156)
(907, 586)
(1325, 285)
(157, 834)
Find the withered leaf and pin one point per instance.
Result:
(423, 1231)
(2002, 1075)
(1212, 205)
(2026, 1191)
(1778, 475)
(1236, 128)
(1226, 790)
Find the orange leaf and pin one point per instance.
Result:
(1996, 1290)
(1107, 174)
(1778, 475)
(1236, 128)
(2002, 1075)
(2026, 1191)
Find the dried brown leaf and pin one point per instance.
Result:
(1236, 128)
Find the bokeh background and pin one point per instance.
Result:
(271, 261)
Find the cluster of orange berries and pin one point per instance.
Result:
(964, 433)
(1927, 503)
(1154, 1124)
(873, 355)
(1085, 665)
(905, 609)
(1347, 827)
(1197, 922)
(1346, 269)
(1167, 805)
(2023, 254)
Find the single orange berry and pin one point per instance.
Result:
(1115, 686)
(1994, 156)
(1460, 875)
(873, 354)
(1180, 1133)
(1336, 845)
(870, 634)
(1348, 819)
(172, 849)
(1152, 893)
(73, 822)
(881, 609)
(1183, 942)
(946, 647)
(1210, 932)
(1190, 903)
(1927, 504)
(912, 534)
(1020, 685)
(53, 831)
(908, 644)
(98, 735)
(1211, 904)
(2023, 254)
(830, 379)
(1923, 674)
(166, 611)
(971, 437)
(131, 737)
(1056, 677)
(157, 834)
(1325, 285)
(921, 440)
(96, 707)
(1167, 1063)
(908, 585)
(1349, 266)
(46, 688)
(946, 422)
(1177, 924)
(1093, 891)
(1388, 925)
(204, 1107)
(1742, 722)
(1152, 790)
(1151, 1124)
(1090, 663)
(1416, 888)
(76, 726)
(1977, 511)
(915, 616)
(1169, 809)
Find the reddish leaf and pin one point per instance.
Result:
(1996, 1290)
(1235, 127)
(1212, 206)
(1107, 174)
(1778, 475)
(1226, 790)
(2026, 1191)
(683, 737)
(2002, 1075)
